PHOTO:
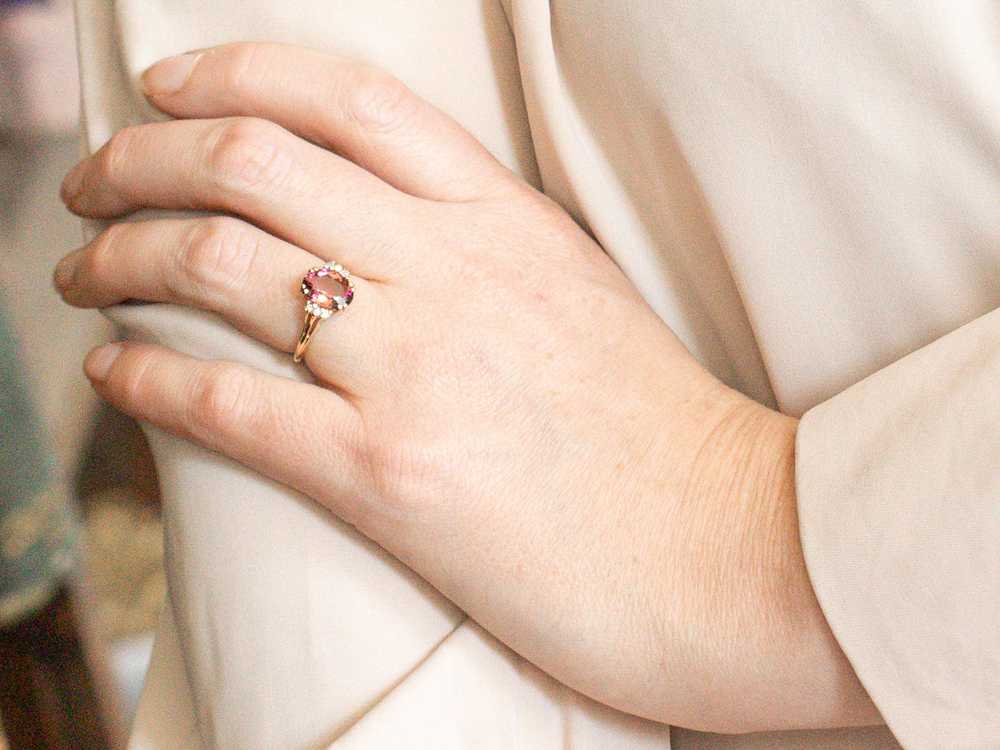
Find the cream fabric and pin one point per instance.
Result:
(805, 192)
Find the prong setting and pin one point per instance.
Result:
(321, 285)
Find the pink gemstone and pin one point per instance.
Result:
(321, 285)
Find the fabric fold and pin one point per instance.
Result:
(898, 483)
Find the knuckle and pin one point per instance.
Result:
(547, 225)
(411, 478)
(379, 102)
(546, 213)
(242, 67)
(117, 151)
(560, 232)
(133, 368)
(344, 446)
(220, 399)
(249, 154)
(217, 257)
(100, 260)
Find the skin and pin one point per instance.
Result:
(498, 408)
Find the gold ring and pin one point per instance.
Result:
(328, 289)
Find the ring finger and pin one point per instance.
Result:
(230, 267)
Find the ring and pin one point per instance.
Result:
(328, 289)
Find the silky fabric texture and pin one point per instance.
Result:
(806, 194)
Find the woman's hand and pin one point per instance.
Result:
(498, 407)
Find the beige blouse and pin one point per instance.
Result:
(805, 192)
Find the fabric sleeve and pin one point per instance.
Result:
(898, 481)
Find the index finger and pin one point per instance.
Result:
(358, 110)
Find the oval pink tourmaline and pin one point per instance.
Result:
(322, 285)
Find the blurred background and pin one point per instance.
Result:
(81, 578)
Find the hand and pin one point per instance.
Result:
(498, 407)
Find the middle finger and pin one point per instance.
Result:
(258, 170)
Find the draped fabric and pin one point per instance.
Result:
(805, 192)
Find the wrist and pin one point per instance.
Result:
(788, 671)
(731, 559)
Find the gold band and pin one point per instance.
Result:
(309, 326)
(328, 289)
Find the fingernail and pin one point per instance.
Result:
(169, 75)
(64, 273)
(72, 183)
(98, 362)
